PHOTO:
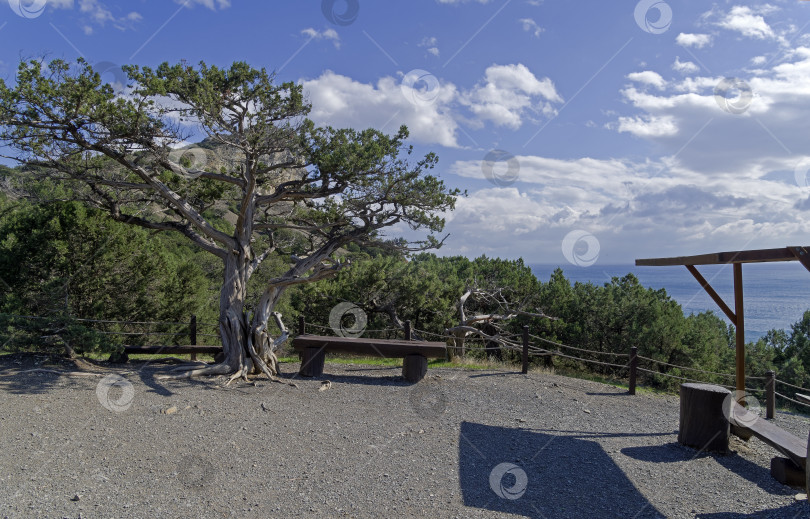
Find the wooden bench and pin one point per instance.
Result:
(313, 350)
(778, 438)
(706, 421)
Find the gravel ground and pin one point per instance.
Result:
(461, 443)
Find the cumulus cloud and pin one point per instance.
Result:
(664, 204)
(648, 77)
(431, 108)
(339, 100)
(508, 93)
(748, 21)
(684, 67)
(328, 34)
(210, 4)
(431, 44)
(531, 26)
(693, 40)
(98, 14)
(648, 126)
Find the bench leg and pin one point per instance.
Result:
(312, 362)
(414, 367)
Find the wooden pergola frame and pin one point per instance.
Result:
(736, 258)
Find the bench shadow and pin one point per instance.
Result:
(675, 452)
(498, 374)
(533, 474)
(793, 510)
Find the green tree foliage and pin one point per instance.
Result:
(63, 259)
(298, 193)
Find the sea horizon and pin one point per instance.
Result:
(776, 295)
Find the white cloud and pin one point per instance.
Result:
(211, 4)
(759, 60)
(98, 12)
(693, 40)
(748, 22)
(531, 26)
(340, 101)
(662, 204)
(328, 34)
(648, 126)
(508, 92)
(430, 43)
(507, 96)
(648, 77)
(684, 67)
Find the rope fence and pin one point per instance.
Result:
(107, 327)
(506, 341)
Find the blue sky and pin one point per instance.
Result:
(584, 132)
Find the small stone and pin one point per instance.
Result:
(171, 410)
(587, 411)
(76, 497)
(521, 420)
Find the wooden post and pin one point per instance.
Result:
(408, 330)
(770, 395)
(525, 350)
(633, 366)
(312, 360)
(740, 326)
(302, 325)
(807, 472)
(703, 423)
(414, 367)
(192, 334)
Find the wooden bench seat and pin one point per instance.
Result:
(778, 438)
(170, 350)
(313, 349)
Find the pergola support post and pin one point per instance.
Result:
(739, 326)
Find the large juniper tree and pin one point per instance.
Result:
(294, 189)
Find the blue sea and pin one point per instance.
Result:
(776, 295)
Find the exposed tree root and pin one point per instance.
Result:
(192, 371)
(68, 373)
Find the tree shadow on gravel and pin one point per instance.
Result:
(675, 452)
(372, 380)
(537, 475)
(17, 378)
